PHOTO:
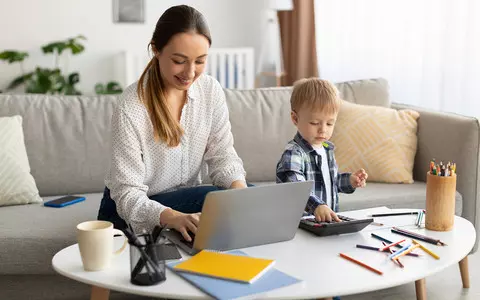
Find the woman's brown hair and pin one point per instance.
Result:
(176, 19)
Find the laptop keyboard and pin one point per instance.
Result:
(189, 244)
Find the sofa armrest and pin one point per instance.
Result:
(451, 137)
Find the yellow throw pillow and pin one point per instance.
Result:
(383, 141)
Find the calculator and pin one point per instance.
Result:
(347, 225)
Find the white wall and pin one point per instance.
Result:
(27, 25)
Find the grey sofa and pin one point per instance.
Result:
(68, 138)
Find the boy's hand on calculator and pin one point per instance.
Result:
(323, 213)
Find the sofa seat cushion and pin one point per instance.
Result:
(30, 235)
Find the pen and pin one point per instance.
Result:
(395, 214)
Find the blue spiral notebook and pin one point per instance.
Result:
(227, 289)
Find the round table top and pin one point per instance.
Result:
(315, 260)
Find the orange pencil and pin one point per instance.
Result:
(360, 263)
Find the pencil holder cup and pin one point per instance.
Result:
(440, 206)
(147, 264)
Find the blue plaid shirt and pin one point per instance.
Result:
(301, 162)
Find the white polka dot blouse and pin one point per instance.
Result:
(141, 167)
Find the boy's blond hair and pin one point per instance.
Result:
(317, 94)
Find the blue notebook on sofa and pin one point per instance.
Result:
(227, 289)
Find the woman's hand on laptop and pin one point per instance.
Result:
(323, 213)
(181, 222)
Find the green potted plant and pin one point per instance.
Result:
(47, 80)
(110, 88)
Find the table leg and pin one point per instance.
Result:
(99, 293)
(421, 289)
(463, 264)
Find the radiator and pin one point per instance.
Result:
(232, 67)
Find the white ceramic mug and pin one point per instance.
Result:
(95, 241)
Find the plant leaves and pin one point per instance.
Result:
(75, 45)
(80, 37)
(69, 88)
(113, 88)
(12, 56)
(59, 46)
(19, 80)
(73, 78)
(99, 89)
(40, 82)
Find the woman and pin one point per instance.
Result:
(165, 128)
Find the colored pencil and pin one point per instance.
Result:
(396, 261)
(430, 252)
(419, 219)
(361, 263)
(384, 240)
(391, 244)
(376, 249)
(417, 236)
(410, 249)
(399, 251)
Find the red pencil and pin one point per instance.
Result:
(360, 263)
(391, 245)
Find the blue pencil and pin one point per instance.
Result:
(399, 251)
(384, 240)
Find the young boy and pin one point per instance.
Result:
(309, 156)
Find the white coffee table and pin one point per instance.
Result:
(313, 259)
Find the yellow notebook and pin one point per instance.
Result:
(226, 266)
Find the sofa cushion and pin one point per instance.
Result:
(67, 139)
(17, 185)
(30, 235)
(366, 92)
(381, 140)
(261, 123)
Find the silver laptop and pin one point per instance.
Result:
(238, 218)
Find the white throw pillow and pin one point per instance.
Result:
(17, 185)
